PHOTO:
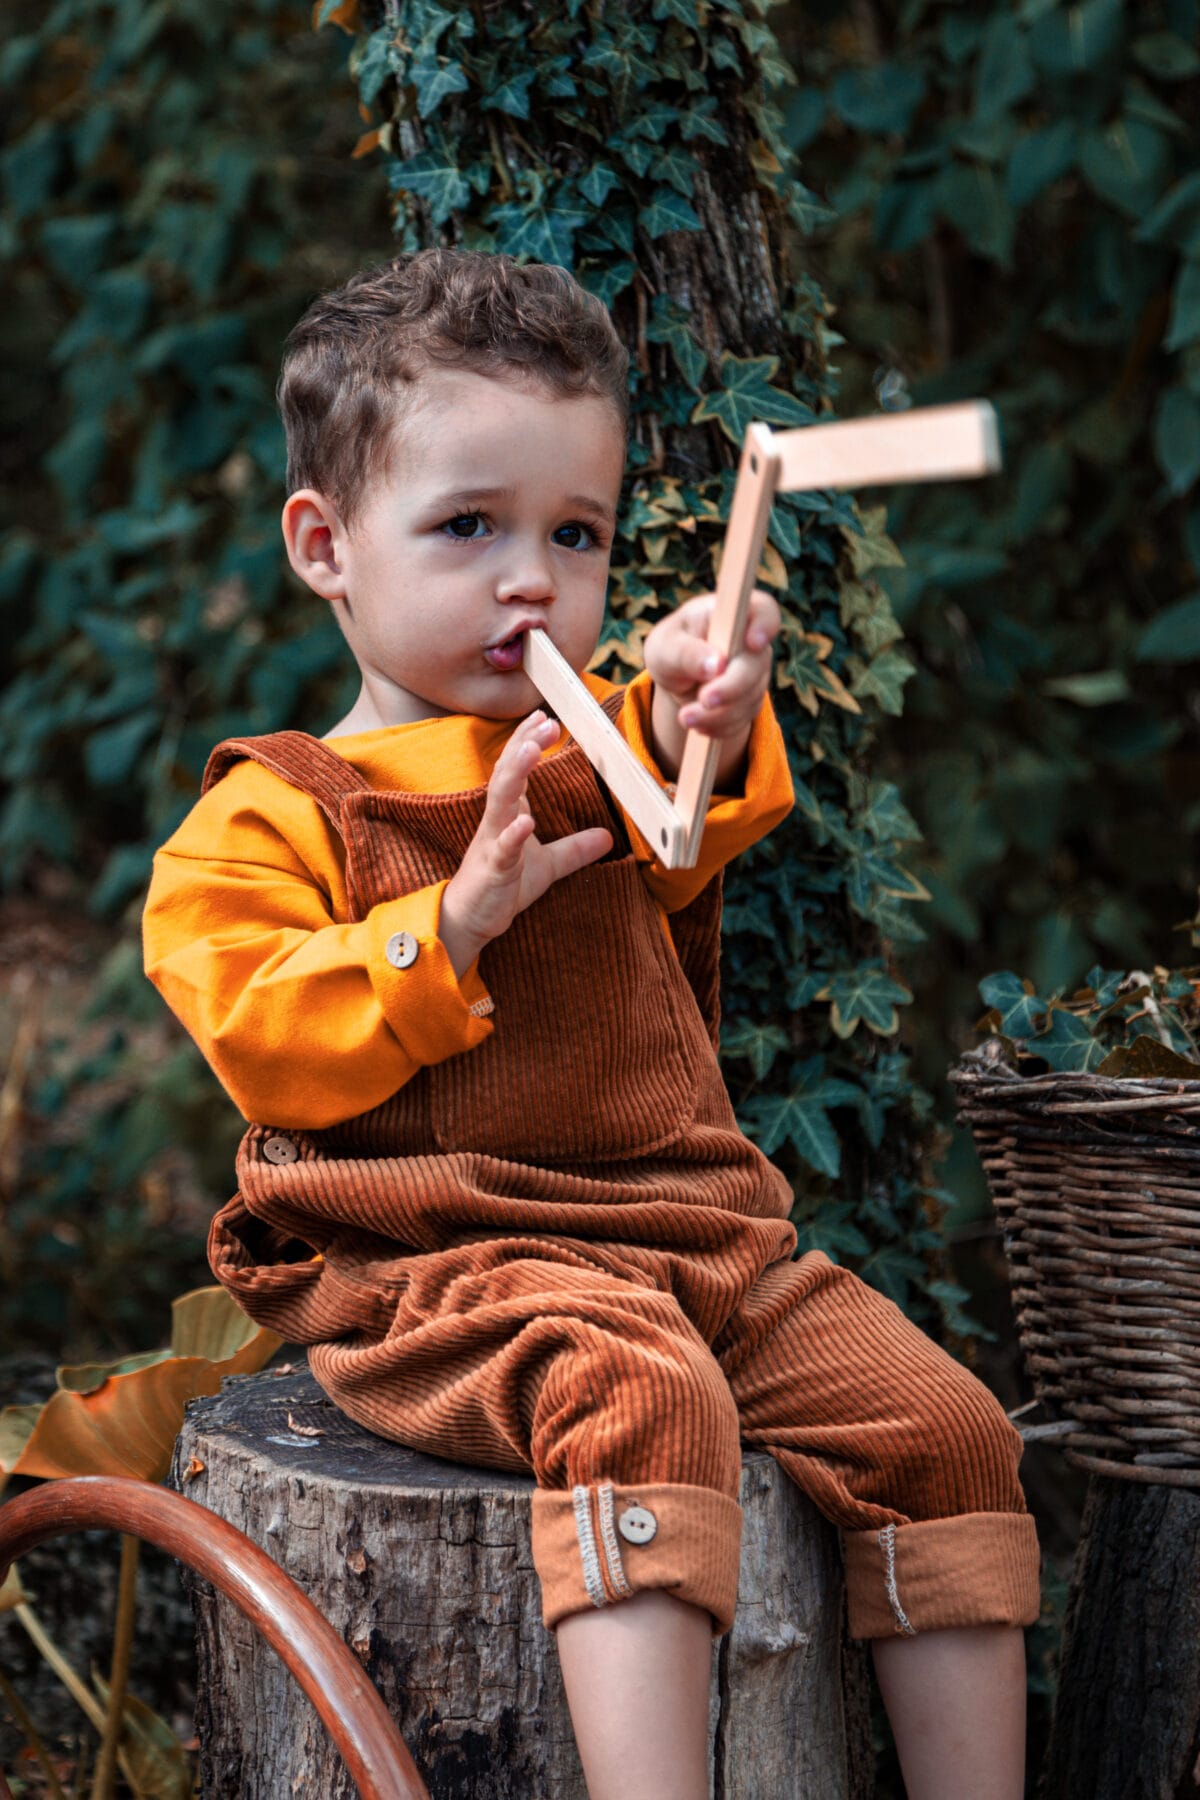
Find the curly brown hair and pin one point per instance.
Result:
(348, 362)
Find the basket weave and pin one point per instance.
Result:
(1097, 1186)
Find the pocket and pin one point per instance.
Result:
(596, 1049)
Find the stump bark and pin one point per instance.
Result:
(425, 1568)
(1127, 1716)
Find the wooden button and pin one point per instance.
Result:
(637, 1524)
(401, 949)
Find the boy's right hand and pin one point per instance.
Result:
(506, 867)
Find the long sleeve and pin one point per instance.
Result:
(733, 821)
(303, 1016)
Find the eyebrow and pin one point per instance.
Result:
(464, 497)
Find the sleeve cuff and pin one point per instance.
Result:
(429, 1009)
(733, 821)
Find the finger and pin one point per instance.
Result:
(740, 686)
(510, 844)
(567, 854)
(506, 788)
(764, 620)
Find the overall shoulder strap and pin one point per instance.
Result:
(305, 762)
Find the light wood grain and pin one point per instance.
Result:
(931, 443)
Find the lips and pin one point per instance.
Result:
(509, 652)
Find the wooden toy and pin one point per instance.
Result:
(927, 444)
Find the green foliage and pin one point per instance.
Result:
(1015, 213)
(589, 138)
(174, 192)
(1141, 1024)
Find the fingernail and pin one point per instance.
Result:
(712, 698)
(710, 665)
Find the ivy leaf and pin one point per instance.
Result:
(886, 817)
(434, 178)
(801, 1116)
(867, 614)
(599, 183)
(758, 1043)
(1068, 1044)
(608, 280)
(512, 96)
(435, 81)
(1185, 308)
(1176, 217)
(542, 233)
(866, 992)
(1167, 55)
(883, 679)
(679, 168)
(1174, 636)
(653, 122)
(1177, 438)
(669, 324)
(882, 98)
(701, 120)
(1067, 41)
(746, 394)
(683, 10)
(1126, 163)
(1005, 74)
(668, 211)
(1020, 1011)
(1039, 159)
(804, 669)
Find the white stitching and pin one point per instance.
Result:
(592, 1578)
(608, 1538)
(481, 1008)
(887, 1543)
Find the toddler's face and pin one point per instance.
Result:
(497, 518)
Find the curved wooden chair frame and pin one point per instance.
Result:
(352, 1711)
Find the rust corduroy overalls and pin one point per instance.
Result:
(557, 1252)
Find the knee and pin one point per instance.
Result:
(968, 1458)
(651, 1412)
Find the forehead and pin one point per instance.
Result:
(474, 428)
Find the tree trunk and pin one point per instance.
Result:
(425, 1568)
(1127, 1718)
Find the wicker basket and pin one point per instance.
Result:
(1097, 1186)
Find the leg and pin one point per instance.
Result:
(637, 1678)
(912, 1457)
(956, 1703)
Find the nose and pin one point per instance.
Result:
(527, 577)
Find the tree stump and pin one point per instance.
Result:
(1127, 1715)
(425, 1568)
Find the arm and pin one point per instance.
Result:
(306, 1018)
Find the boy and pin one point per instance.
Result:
(493, 1178)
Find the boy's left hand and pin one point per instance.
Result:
(719, 696)
(695, 687)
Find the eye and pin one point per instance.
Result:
(579, 530)
(467, 519)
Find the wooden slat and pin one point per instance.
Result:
(648, 805)
(931, 443)
(927, 444)
(745, 535)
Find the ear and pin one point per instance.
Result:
(314, 536)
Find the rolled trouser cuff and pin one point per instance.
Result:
(599, 1544)
(976, 1569)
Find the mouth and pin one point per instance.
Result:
(508, 653)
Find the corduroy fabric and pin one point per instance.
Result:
(558, 1253)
